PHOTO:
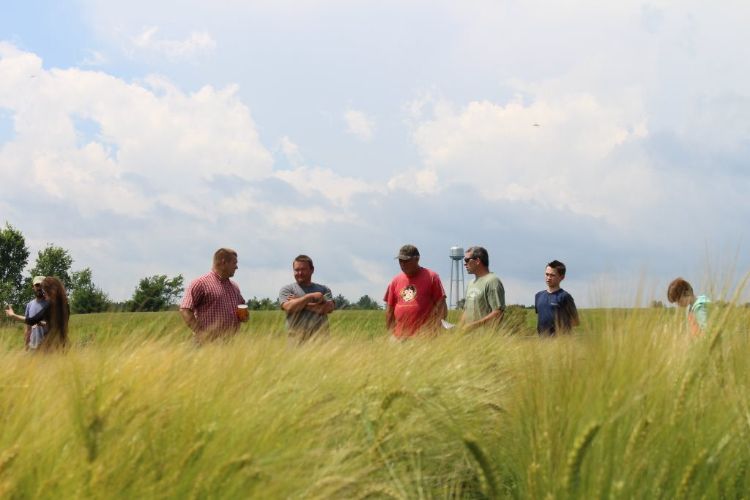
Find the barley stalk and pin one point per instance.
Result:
(576, 456)
(688, 476)
(679, 408)
(636, 438)
(7, 459)
(484, 464)
(380, 492)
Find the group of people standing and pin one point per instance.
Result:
(213, 306)
(415, 299)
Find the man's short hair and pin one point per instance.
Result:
(223, 254)
(558, 266)
(304, 258)
(677, 289)
(481, 254)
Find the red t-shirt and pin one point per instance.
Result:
(413, 299)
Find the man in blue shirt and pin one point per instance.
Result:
(555, 308)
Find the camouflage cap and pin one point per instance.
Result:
(407, 252)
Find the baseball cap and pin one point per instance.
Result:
(37, 280)
(407, 252)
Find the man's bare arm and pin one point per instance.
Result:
(189, 317)
(11, 314)
(321, 308)
(295, 304)
(390, 317)
(493, 317)
(441, 309)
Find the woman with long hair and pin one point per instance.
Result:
(54, 314)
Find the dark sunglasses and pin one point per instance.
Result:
(467, 259)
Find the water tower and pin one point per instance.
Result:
(457, 277)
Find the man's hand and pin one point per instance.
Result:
(492, 319)
(11, 314)
(324, 307)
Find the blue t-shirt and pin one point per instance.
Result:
(556, 310)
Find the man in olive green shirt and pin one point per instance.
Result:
(485, 295)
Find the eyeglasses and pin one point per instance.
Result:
(467, 259)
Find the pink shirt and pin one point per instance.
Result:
(413, 298)
(214, 301)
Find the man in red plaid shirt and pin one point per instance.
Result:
(210, 304)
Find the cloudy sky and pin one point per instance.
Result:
(612, 136)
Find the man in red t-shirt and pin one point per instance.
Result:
(415, 299)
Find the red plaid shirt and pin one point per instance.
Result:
(214, 302)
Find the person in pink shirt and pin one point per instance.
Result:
(415, 298)
(209, 306)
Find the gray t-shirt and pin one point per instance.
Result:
(305, 322)
(484, 295)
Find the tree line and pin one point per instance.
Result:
(152, 293)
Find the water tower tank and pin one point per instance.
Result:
(457, 253)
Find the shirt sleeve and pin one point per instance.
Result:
(193, 297)
(700, 312)
(569, 308)
(327, 294)
(284, 293)
(40, 316)
(390, 296)
(496, 295)
(438, 292)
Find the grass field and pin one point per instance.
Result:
(629, 407)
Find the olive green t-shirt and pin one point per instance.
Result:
(484, 295)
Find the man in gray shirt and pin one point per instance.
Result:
(485, 295)
(306, 304)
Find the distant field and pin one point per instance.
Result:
(629, 407)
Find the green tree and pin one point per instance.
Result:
(13, 258)
(341, 302)
(156, 293)
(53, 261)
(367, 303)
(87, 297)
(264, 304)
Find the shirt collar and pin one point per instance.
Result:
(218, 276)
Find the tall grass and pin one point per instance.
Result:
(629, 407)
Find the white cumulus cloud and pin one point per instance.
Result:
(143, 144)
(359, 124)
(198, 43)
(558, 152)
(324, 182)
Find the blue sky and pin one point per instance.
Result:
(615, 138)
